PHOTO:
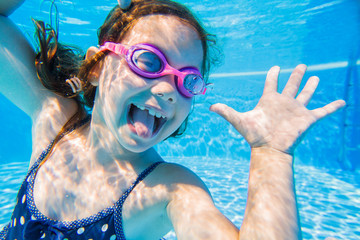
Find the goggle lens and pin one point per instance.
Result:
(194, 84)
(147, 61)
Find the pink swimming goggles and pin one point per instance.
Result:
(148, 61)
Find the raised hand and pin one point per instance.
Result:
(279, 120)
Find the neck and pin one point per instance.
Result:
(105, 148)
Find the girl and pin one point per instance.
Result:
(100, 178)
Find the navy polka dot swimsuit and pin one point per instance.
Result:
(28, 223)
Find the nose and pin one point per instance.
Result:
(165, 89)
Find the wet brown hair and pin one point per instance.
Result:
(56, 62)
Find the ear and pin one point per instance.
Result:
(95, 71)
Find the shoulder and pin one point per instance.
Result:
(179, 178)
(190, 207)
(179, 173)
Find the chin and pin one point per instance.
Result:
(137, 144)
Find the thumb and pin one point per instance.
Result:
(223, 110)
(232, 116)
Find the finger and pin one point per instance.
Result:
(306, 94)
(225, 111)
(328, 109)
(271, 82)
(292, 86)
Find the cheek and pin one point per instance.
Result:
(118, 79)
(184, 108)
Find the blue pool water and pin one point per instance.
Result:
(254, 36)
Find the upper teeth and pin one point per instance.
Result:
(151, 111)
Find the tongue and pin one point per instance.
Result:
(143, 122)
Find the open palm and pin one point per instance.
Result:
(279, 120)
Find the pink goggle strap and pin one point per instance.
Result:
(116, 48)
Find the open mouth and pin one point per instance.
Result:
(145, 122)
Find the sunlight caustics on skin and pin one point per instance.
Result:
(103, 158)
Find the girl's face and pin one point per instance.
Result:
(141, 112)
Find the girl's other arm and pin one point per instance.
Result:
(273, 129)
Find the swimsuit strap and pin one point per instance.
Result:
(119, 204)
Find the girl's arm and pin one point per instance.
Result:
(20, 84)
(18, 77)
(271, 211)
(273, 129)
